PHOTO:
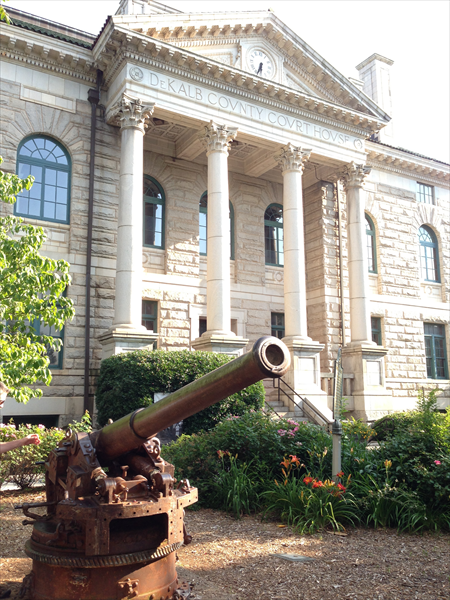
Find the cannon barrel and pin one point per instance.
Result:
(269, 357)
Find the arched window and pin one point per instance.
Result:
(429, 260)
(154, 202)
(49, 163)
(273, 235)
(371, 245)
(203, 212)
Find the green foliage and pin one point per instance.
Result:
(390, 425)
(235, 486)
(358, 429)
(403, 483)
(19, 465)
(128, 381)
(31, 290)
(3, 14)
(309, 504)
(256, 439)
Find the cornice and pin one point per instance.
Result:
(57, 56)
(402, 163)
(120, 44)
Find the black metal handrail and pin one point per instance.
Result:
(316, 416)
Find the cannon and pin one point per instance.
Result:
(114, 515)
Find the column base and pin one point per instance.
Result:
(118, 340)
(224, 343)
(304, 373)
(304, 377)
(371, 399)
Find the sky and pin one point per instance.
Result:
(413, 33)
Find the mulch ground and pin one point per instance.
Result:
(234, 560)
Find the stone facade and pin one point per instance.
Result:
(305, 108)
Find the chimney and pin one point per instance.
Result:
(374, 72)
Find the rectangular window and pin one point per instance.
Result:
(435, 351)
(56, 358)
(425, 193)
(277, 325)
(150, 315)
(153, 223)
(202, 326)
(376, 330)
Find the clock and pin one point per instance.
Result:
(261, 64)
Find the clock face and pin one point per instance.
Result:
(261, 64)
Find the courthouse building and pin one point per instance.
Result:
(212, 179)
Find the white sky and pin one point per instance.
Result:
(413, 33)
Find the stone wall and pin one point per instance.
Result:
(20, 118)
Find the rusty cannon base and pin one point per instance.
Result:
(118, 543)
(114, 509)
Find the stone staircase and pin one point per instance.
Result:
(280, 405)
(277, 407)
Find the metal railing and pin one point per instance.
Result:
(305, 406)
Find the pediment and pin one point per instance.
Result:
(228, 38)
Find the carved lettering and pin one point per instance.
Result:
(223, 102)
(255, 112)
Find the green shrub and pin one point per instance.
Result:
(412, 493)
(129, 380)
(390, 425)
(357, 429)
(256, 439)
(19, 465)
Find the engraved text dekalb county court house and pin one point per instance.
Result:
(211, 179)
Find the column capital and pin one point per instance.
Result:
(292, 158)
(217, 138)
(354, 175)
(130, 113)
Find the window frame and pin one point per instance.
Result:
(277, 226)
(433, 337)
(150, 317)
(59, 335)
(158, 201)
(421, 193)
(274, 328)
(44, 164)
(435, 247)
(371, 233)
(204, 210)
(376, 330)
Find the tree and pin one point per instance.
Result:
(32, 300)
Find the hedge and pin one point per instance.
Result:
(129, 381)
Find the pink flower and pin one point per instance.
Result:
(437, 462)
(282, 432)
(41, 426)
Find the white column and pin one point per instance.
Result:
(131, 114)
(353, 178)
(292, 161)
(217, 139)
(304, 373)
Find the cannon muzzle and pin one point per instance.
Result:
(269, 357)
